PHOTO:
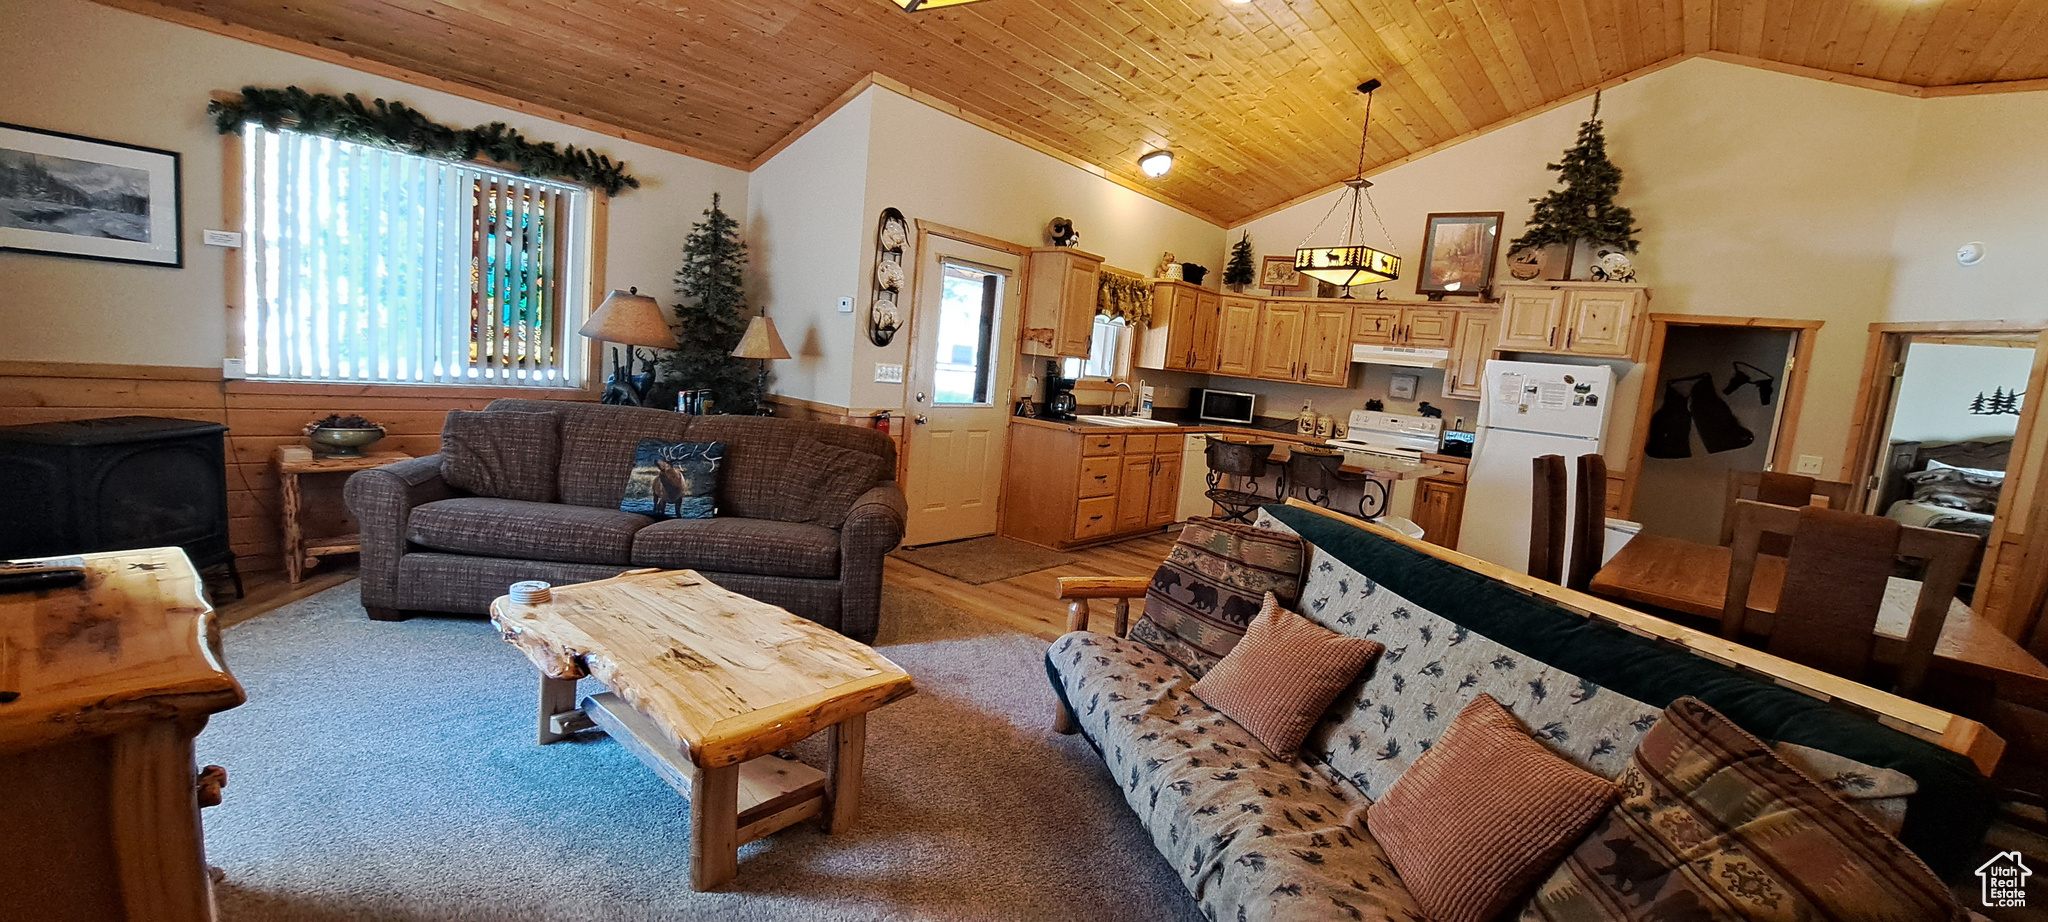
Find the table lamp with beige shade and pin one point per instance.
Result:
(760, 341)
(630, 319)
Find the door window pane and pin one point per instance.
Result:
(964, 364)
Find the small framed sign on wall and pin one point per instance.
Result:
(66, 195)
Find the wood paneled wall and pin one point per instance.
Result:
(260, 417)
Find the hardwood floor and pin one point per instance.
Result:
(1026, 603)
(264, 590)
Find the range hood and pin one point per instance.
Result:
(1405, 356)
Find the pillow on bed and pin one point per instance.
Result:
(1965, 488)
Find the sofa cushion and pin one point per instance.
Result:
(674, 480)
(513, 528)
(759, 450)
(1878, 793)
(1483, 814)
(735, 545)
(1714, 826)
(820, 482)
(1212, 583)
(1251, 836)
(598, 446)
(508, 454)
(1282, 675)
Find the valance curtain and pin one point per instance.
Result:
(1119, 296)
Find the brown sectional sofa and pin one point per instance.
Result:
(428, 546)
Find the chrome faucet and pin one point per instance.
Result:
(1121, 409)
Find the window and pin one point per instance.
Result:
(365, 265)
(964, 366)
(1108, 351)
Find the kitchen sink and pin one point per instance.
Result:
(1123, 421)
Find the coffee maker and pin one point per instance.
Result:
(1059, 392)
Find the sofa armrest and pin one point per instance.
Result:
(382, 499)
(1079, 589)
(874, 526)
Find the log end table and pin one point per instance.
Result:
(302, 551)
(705, 685)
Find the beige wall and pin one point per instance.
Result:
(1979, 173)
(1759, 194)
(85, 69)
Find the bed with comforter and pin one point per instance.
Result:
(1952, 486)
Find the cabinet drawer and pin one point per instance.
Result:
(1139, 444)
(1095, 518)
(1098, 475)
(1092, 445)
(1170, 443)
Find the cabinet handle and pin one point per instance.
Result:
(1568, 338)
(1095, 518)
(1551, 340)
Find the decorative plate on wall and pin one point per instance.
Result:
(891, 277)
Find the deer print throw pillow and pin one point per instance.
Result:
(674, 480)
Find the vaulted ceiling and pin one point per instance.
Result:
(1256, 98)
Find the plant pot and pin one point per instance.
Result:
(343, 443)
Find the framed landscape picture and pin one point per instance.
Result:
(64, 195)
(1458, 253)
(1276, 274)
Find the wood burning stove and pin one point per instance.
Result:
(116, 484)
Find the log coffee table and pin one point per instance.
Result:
(704, 686)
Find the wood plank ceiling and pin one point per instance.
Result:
(1256, 98)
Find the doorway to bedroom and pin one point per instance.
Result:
(1944, 431)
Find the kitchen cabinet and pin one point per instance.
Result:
(1475, 343)
(1426, 326)
(1237, 335)
(1059, 302)
(1065, 488)
(1326, 346)
(1440, 501)
(1184, 334)
(1278, 355)
(1572, 318)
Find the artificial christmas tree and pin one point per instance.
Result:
(1584, 210)
(711, 313)
(1238, 272)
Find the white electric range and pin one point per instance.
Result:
(1391, 435)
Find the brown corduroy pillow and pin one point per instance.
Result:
(1484, 813)
(1280, 678)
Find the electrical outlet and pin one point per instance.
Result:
(221, 238)
(886, 373)
(1808, 465)
(846, 305)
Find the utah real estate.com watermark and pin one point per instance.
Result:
(2004, 880)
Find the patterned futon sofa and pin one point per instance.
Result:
(430, 546)
(1254, 838)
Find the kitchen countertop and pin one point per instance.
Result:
(1398, 470)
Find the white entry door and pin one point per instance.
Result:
(962, 355)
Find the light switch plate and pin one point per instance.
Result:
(221, 238)
(886, 373)
(233, 369)
(846, 305)
(1808, 465)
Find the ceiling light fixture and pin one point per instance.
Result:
(1156, 163)
(1351, 262)
(912, 6)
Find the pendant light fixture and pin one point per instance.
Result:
(1351, 262)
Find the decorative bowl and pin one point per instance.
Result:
(343, 443)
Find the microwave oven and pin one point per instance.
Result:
(1225, 407)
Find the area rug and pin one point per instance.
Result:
(387, 771)
(985, 560)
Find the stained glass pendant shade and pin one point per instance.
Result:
(1351, 262)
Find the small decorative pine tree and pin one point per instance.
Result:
(1584, 209)
(1238, 272)
(1977, 405)
(711, 313)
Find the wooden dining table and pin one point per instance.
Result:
(1692, 578)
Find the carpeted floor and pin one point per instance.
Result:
(388, 771)
(978, 561)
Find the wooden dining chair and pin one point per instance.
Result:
(1835, 577)
(1589, 522)
(1547, 519)
(1779, 490)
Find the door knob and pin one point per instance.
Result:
(920, 396)
(921, 419)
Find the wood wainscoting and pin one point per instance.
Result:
(260, 416)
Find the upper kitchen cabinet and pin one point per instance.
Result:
(1478, 335)
(1237, 335)
(1185, 328)
(1383, 324)
(1278, 355)
(1308, 342)
(1572, 318)
(1326, 345)
(1059, 301)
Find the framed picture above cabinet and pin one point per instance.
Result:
(1458, 253)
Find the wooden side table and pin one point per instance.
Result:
(301, 551)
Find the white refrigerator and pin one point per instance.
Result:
(1526, 409)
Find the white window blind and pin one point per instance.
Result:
(373, 266)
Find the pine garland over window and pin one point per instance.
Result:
(397, 126)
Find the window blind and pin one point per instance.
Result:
(374, 266)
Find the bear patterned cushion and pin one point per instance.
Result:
(504, 454)
(1483, 814)
(1281, 676)
(674, 480)
(1714, 826)
(1210, 587)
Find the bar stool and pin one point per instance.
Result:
(1314, 471)
(1236, 459)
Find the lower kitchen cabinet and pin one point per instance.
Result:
(1065, 487)
(1440, 501)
